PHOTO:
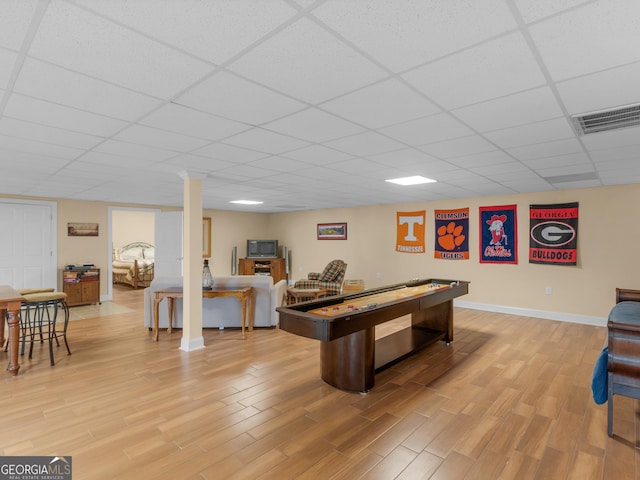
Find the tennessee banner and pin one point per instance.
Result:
(410, 228)
(498, 234)
(452, 231)
(553, 234)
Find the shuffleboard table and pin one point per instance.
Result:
(350, 355)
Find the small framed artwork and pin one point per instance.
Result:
(332, 231)
(78, 229)
(206, 237)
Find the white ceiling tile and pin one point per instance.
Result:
(621, 176)
(192, 122)
(7, 61)
(549, 149)
(611, 155)
(588, 39)
(562, 170)
(187, 161)
(15, 17)
(302, 55)
(318, 155)
(79, 91)
(501, 171)
(265, 141)
(46, 113)
(159, 138)
(105, 50)
(532, 11)
(384, 103)
(134, 151)
(539, 132)
(434, 128)
(230, 96)
(42, 133)
(478, 73)
(612, 139)
(401, 38)
(229, 153)
(198, 26)
(511, 110)
(482, 159)
(459, 147)
(280, 164)
(603, 90)
(557, 161)
(367, 143)
(313, 125)
(30, 162)
(406, 157)
(38, 148)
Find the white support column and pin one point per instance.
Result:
(192, 338)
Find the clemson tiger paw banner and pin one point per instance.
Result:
(410, 227)
(452, 234)
(498, 234)
(553, 234)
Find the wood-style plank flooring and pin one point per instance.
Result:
(509, 399)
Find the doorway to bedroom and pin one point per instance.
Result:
(131, 231)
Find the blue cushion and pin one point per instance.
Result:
(599, 384)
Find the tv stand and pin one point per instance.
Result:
(264, 266)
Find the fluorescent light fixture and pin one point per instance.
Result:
(246, 202)
(415, 180)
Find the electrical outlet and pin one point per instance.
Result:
(378, 275)
(548, 290)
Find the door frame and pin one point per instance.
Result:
(109, 261)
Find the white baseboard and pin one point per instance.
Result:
(526, 312)
(189, 344)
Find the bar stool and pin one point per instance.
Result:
(40, 323)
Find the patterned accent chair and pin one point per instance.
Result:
(331, 278)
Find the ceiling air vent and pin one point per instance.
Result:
(606, 120)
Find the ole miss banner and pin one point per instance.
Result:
(553, 234)
(498, 234)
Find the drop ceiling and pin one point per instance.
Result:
(312, 105)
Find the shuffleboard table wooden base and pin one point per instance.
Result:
(350, 355)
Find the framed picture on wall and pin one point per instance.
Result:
(206, 237)
(332, 231)
(82, 229)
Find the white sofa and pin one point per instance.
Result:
(221, 312)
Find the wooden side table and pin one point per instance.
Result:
(295, 295)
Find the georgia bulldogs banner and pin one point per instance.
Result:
(410, 228)
(553, 234)
(498, 234)
(452, 233)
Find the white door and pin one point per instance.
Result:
(27, 244)
(168, 238)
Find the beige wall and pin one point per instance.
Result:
(609, 224)
(128, 226)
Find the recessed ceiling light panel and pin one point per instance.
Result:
(415, 180)
(246, 202)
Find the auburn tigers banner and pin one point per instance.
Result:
(452, 232)
(553, 234)
(498, 234)
(410, 228)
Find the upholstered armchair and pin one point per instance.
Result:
(331, 278)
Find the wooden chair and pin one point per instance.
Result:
(623, 366)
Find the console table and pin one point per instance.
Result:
(244, 295)
(10, 303)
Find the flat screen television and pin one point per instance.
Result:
(262, 248)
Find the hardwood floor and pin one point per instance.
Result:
(509, 399)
